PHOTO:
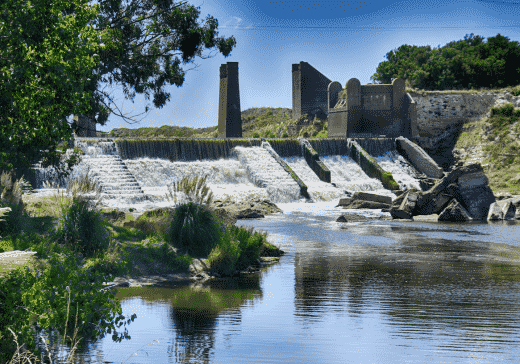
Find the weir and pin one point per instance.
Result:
(240, 168)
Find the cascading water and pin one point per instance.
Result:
(402, 171)
(225, 177)
(238, 169)
(265, 172)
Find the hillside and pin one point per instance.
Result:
(493, 142)
(256, 122)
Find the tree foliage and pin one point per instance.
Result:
(467, 63)
(149, 42)
(46, 54)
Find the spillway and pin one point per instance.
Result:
(134, 171)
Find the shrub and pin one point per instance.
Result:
(238, 249)
(40, 299)
(82, 228)
(224, 257)
(11, 196)
(80, 225)
(194, 229)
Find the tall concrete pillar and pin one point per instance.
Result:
(229, 119)
(84, 126)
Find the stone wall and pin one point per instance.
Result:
(229, 119)
(436, 111)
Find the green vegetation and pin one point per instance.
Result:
(40, 48)
(78, 247)
(261, 122)
(463, 64)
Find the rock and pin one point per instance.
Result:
(346, 217)
(114, 215)
(407, 206)
(475, 192)
(495, 212)
(350, 203)
(363, 200)
(508, 210)
(249, 209)
(199, 269)
(455, 212)
(249, 214)
(467, 184)
(372, 197)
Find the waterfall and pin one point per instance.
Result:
(377, 147)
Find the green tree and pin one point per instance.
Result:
(150, 41)
(46, 54)
(465, 63)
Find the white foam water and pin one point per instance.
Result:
(346, 174)
(265, 172)
(404, 174)
(318, 190)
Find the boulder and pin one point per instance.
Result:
(246, 210)
(357, 218)
(495, 212)
(455, 212)
(508, 210)
(350, 203)
(475, 193)
(364, 200)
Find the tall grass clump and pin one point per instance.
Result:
(16, 219)
(81, 226)
(194, 229)
(194, 189)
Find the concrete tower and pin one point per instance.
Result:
(229, 119)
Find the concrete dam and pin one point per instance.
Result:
(133, 171)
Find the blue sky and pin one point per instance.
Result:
(341, 39)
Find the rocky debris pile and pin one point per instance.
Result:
(364, 200)
(462, 195)
(254, 209)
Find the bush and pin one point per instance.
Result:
(82, 228)
(224, 257)
(194, 229)
(238, 249)
(11, 196)
(80, 225)
(40, 299)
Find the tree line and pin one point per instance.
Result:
(468, 63)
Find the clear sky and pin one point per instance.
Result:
(341, 39)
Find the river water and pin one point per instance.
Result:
(377, 291)
(367, 292)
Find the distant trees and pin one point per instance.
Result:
(467, 63)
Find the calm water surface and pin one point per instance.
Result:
(369, 292)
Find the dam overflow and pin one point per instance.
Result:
(141, 170)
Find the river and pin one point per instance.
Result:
(367, 292)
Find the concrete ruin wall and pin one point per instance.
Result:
(372, 111)
(309, 92)
(84, 126)
(229, 119)
(436, 111)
